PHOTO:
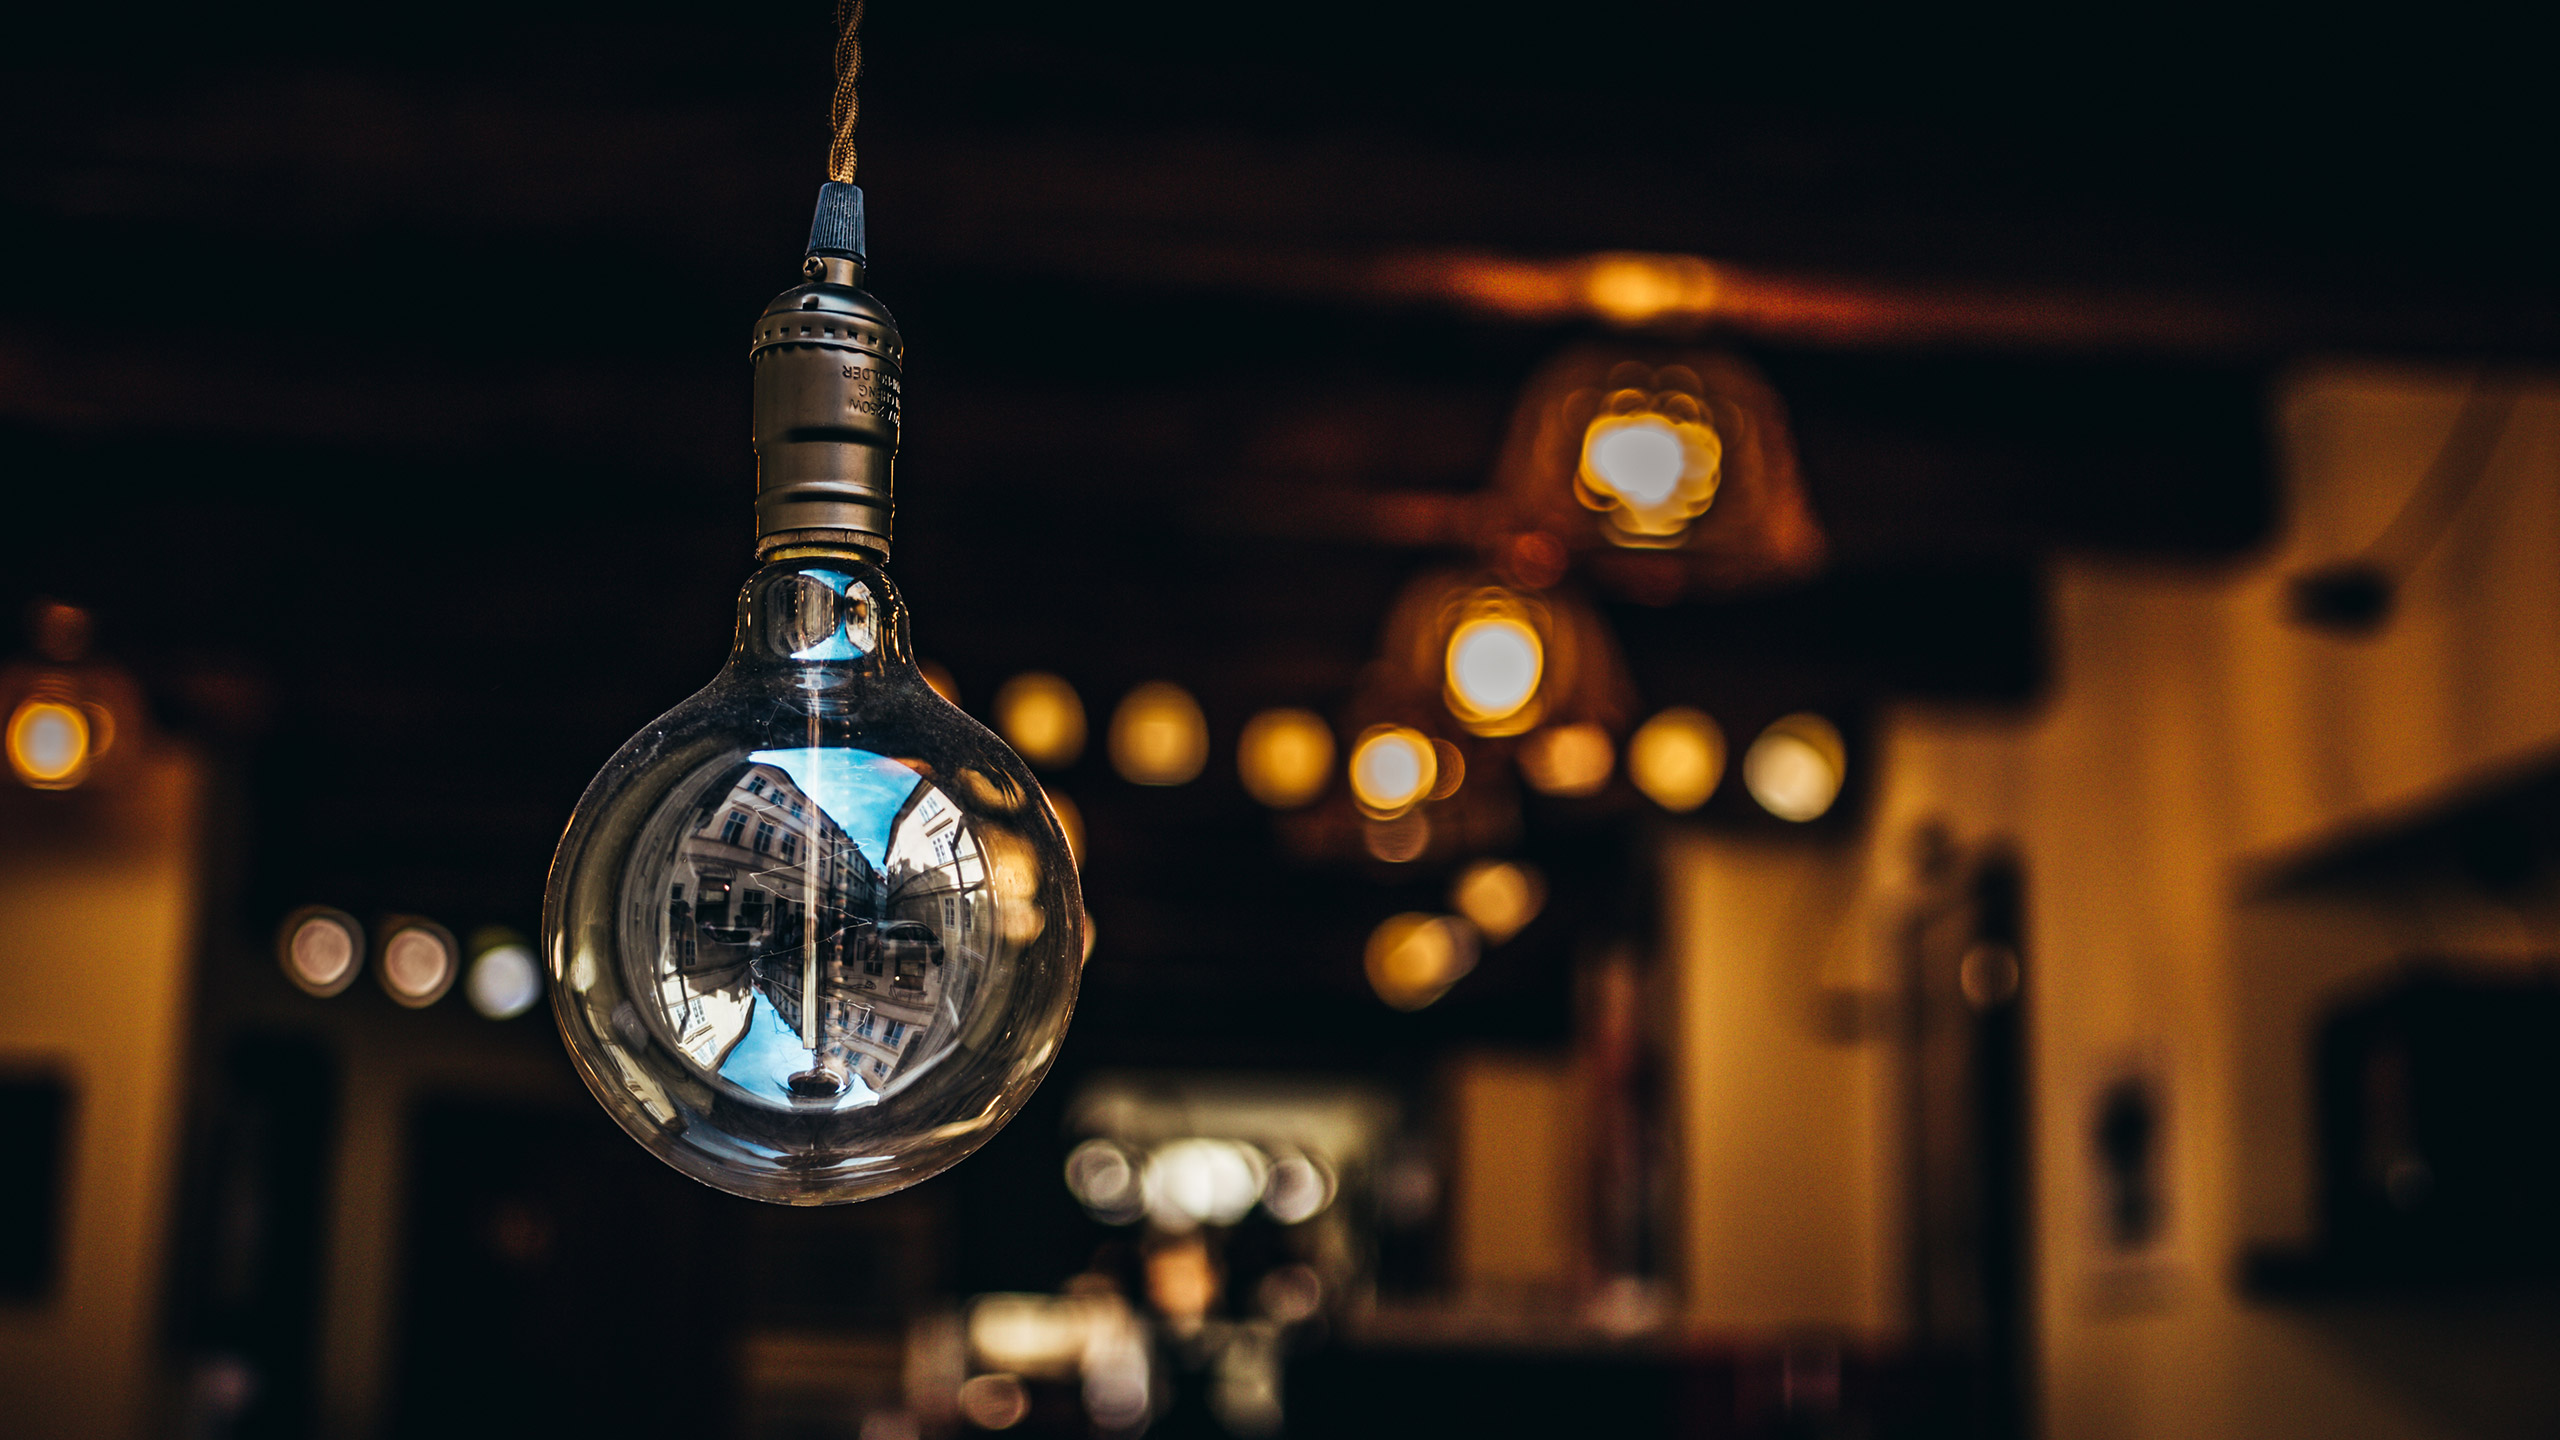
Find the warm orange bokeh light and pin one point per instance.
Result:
(1284, 757)
(1041, 717)
(1500, 897)
(1568, 760)
(1158, 736)
(1413, 959)
(1796, 767)
(49, 744)
(1677, 758)
(1392, 770)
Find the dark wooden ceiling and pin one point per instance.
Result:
(377, 377)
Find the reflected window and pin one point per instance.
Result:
(897, 1032)
(764, 837)
(796, 812)
(755, 784)
(732, 827)
(790, 847)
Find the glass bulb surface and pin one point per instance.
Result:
(813, 935)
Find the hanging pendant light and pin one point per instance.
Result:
(814, 935)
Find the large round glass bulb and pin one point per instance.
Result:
(814, 934)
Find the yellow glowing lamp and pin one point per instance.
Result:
(1040, 714)
(1796, 767)
(1677, 758)
(1413, 959)
(1284, 757)
(1158, 736)
(1650, 471)
(50, 743)
(1393, 769)
(1568, 760)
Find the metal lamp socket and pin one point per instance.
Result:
(826, 357)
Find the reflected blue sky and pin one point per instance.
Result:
(861, 790)
(770, 1053)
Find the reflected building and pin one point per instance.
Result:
(770, 894)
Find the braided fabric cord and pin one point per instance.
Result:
(848, 105)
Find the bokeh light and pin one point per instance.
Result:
(1568, 760)
(419, 962)
(1650, 472)
(1499, 897)
(1393, 768)
(1103, 1176)
(1796, 767)
(1640, 461)
(1414, 958)
(1040, 715)
(1290, 1293)
(49, 744)
(1158, 736)
(1298, 1188)
(1677, 758)
(1399, 840)
(1027, 1334)
(1494, 665)
(504, 981)
(321, 949)
(1202, 1182)
(994, 1402)
(1285, 757)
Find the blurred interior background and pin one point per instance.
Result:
(1780, 725)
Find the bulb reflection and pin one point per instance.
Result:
(1071, 821)
(1796, 767)
(1677, 759)
(1158, 736)
(1499, 897)
(1568, 760)
(1041, 714)
(1392, 769)
(48, 744)
(1284, 757)
(1413, 959)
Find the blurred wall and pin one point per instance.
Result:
(98, 910)
(1780, 1133)
(2193, 735)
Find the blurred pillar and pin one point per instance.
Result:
(98, 901)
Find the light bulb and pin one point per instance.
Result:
(813, 935)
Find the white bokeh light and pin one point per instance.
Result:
(1642, 461)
